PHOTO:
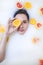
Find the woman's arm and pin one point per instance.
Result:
(9, 31)
(3, 47)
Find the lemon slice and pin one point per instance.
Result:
(27, 5)
(16, 22)
(2, 29)
(32, 21)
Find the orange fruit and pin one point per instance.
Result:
(32, 21)
(27, 5)
(16, 22)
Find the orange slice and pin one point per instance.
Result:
(38, 25)
(32, 21)
(16, 22)
(27, 5)
(19, 5)
(2, 29)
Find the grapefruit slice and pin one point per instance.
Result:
(41, 61)
(27, 5)
(41, 10)
(19, 5)
(16, 23)
(32, 21)
(0, 38)
(38, 25)
(35, 40)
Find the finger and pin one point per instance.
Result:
(13, 19)
(12, 31)
(9, 21)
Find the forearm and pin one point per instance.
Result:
(3, 47)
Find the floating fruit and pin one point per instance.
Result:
(32, 21)
(27, 5)
(16, 22)
(41, 62)
(35, 40)
(2, 29)
(41, 10)
(19, 5)
(38, 25)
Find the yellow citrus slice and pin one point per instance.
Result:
(16, 22)
(27, 5)
(32, 21)
(2, 29)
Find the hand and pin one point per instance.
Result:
(10, 27)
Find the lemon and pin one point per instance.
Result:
(27, 5)
(16, 22)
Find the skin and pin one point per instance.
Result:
(10, 30)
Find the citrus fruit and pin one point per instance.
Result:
(27, 5)
(19, 5)
(32, 21)
(16, 22)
